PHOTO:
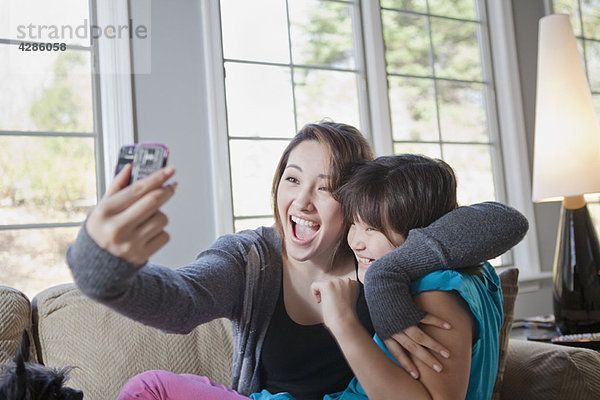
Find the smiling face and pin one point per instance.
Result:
(311, 218)
(387, 197)
(369, 244)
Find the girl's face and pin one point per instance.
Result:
(312, 220)
(369, 244)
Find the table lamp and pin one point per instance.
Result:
(566, 166)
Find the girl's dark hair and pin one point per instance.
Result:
(398, 193)
(345, 146)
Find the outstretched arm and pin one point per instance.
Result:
(108, 261)
(463, 237)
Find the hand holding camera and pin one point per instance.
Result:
(127, 222)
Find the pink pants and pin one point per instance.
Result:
(164, 385)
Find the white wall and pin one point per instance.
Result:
(170, 107)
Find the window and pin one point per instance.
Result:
(414, 76)
(440, 95)
(53, 156)
(585, 19)
(48, 140)
(287, 64)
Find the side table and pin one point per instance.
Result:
(542, 329)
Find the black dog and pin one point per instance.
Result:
(22, 380)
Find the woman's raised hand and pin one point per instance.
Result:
(416, 343)
(127, 222)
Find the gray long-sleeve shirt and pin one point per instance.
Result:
(239, 278)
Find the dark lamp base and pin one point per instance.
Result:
(576, 291)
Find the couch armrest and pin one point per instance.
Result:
(546, 371)
(15, 315)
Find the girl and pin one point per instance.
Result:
(386, 200)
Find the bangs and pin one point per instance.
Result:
(363, 198)
(395, 194)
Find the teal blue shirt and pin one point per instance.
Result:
(484, 297)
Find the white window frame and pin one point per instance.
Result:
(217, 118)
(113, 73)
(513, 143)
(111, 101)
(377, 78)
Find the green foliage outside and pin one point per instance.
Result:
(52, 173)
(47, 179)
(425, 47)
(329, 28)
(450, 51)
(436, 82)
(324, 39)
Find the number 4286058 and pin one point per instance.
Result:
(26, 46)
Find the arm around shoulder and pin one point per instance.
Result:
(472, 234)
(463, 237)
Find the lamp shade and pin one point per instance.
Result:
(567, 133)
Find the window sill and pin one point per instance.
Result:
(533, 282)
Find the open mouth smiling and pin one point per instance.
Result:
(303, 229)
(365, 261)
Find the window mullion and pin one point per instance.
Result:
(101, 178)
(292, 67)
(381, 125)
(115, 93)
(361, 76)
(217, 118)
(436, 95)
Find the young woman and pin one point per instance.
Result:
(385, 200)
(261, 279)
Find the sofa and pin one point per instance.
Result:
(106, 349)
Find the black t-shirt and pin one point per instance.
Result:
(305, 360)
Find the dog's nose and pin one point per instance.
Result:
(73, 394)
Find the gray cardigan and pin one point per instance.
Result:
(239, 278)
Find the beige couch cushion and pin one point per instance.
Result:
(15, 315)
(540, 371)
(107, 349)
